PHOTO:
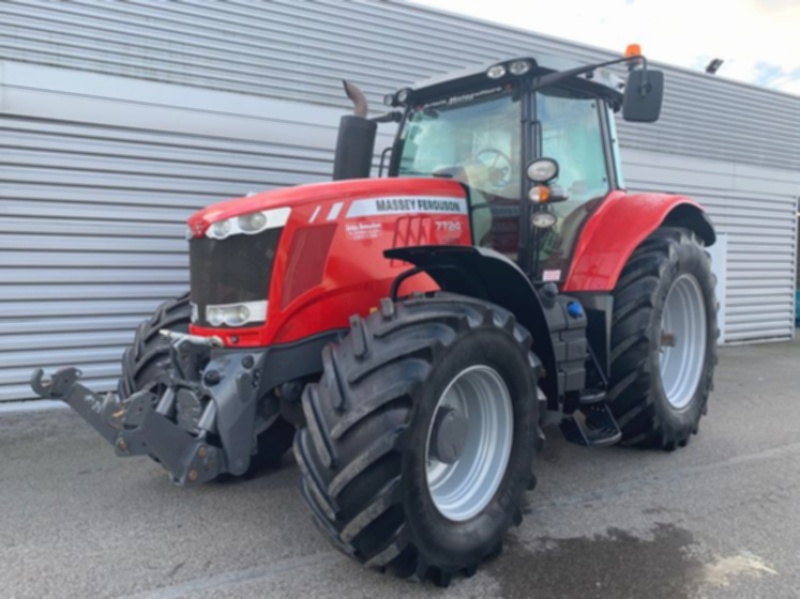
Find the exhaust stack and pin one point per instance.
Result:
(360, 107)
(355, 144)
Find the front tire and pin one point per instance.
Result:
(663, 340)
(145, 360)
(387, 479)
(148, 357)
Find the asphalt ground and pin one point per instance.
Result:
(720, 518)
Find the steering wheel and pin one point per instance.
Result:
(498, 165)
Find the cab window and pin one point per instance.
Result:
(570, 131)
(474, 138)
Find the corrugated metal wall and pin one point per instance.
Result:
(98, 171)
(753, 205)
(93, 203)
(300, 50)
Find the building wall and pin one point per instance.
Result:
(301, 51)
(117, 120)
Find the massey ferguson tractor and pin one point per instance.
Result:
(410, 336)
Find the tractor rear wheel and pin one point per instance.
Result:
(663, 340)
(148, 356)
(420, 436)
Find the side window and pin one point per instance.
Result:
(571, 134)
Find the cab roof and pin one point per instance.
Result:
(601, 82)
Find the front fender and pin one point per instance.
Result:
(619, 225)
(486, 274)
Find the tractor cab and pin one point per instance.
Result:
(490, 128)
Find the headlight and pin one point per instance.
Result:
(543, 220)
(236, 315)
(519, 67)
(249, 224)
(496, 71)
(252, 222)
(542, 170)
(220, 230)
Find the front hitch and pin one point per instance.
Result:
(97, 411)
(137, 426)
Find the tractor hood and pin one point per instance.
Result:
(322, 193)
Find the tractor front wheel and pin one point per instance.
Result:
(420, 436)
(148, 356)
(663, 340)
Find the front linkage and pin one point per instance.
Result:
(209, 392)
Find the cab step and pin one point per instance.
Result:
(590, 397)
(592, 426)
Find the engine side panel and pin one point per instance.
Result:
(615, 230)
(329, 264)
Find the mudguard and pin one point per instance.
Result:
(486, 274)
(620, 224)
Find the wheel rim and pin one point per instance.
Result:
(683, 341)
(462, 489)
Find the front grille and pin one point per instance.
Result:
(230, 271)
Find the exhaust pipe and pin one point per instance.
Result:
(355, 144)
(357, 97)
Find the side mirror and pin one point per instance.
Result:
(644, 92)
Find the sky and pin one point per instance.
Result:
(759, 40)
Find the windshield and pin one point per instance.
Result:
(474, 138)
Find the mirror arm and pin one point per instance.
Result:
(552, 78)
(643, 84)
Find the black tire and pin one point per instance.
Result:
(362, 455)
(148, 356)
(636, 395)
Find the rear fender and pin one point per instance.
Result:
(488, 275)
(620, 224)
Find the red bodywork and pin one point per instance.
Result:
(620, 223)
(329, 263)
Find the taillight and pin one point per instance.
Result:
(307, 256)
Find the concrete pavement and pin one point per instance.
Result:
(720, 518)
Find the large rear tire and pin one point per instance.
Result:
(420, 436)
(663, 340)
(148, 356)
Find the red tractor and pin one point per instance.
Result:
(411, 335)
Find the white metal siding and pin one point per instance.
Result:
(754, 206)
(104, 152)
(93, 205)
(301, 50)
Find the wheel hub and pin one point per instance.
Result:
(449, 435)
(682, 345)
(469, 443)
